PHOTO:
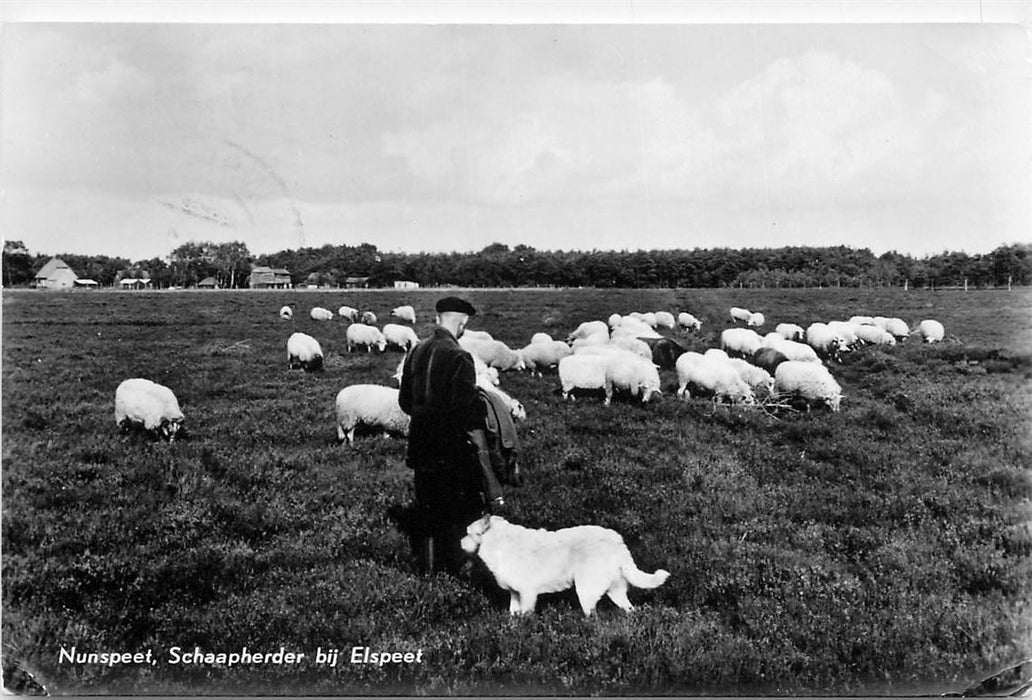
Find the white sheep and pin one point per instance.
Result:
(348, 312)
(931, 330)
(862, 320)
(743, 341)
(665, 319)
(494, 353)
(801, 352)
(405, 313)
(368, 318)
(718, 353)
(845, 329)
(583, 372)
(318, 313)
(372, 406)
(740, 315)
(485, 375)
(141, 402)
(688, 322)
(364, 335)
(634, 328)
(824, 340)
(650, 318)
(286, 313)
(629, 372)
(541, 356)
(614, 320)
(756, 320)
(593, 339)
(873, 335)
(399, 336)
(541, 337)
(898, 328)
(636, 345)
(470, 334)
(756, 377)
(304, 351)
(790, 331)
(714, 375)
(808, 381)
(588, 329)
(880, 321)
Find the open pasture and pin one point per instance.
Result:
(884, 548)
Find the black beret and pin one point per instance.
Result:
(455, 304)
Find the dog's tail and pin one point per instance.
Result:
(638, 578)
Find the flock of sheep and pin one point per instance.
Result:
(622, 354)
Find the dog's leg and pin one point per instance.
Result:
(527, 602)
(618, 594)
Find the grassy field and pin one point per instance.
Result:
(883, 549)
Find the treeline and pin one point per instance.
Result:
(499, 265)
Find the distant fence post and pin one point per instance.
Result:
(906, 285)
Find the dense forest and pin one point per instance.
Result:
(499, 265)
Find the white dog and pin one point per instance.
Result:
(529, 562)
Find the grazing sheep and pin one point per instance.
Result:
(862, 320)
(932, 331)
(541, 337)
(898, 328)
(665, 351)
(633, 328)
(399, 336)
(873, 335)
(792, 349)
(845, 329)
(540, 356)
(665, 319)
(593, 339)
(368, 318)
(372, 406)
(405, 313)
(348, 312)
(790, 331)
(614, 320)
(810, 382)
(485, 375)
(714, 375)
(304, 351)
(768, 358)
(756, 377)
(588, 329)
(741, 341)
(494, 353)
(146, 404)
(718, 353)
(363, 335)
(688, 322)
(583, 372)
(286, 313)
(740, 315)
(825, 341)
(318, 313)
(756, 320)
(641, 348)
(629, 372)
(650, 318)
(880, 321)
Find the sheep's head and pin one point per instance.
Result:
(169, 428)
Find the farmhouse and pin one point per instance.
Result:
(208, 283)
(269, 278)
(135, 283)
(405, 284)
(55, 275)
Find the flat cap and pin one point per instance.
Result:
(455, 304)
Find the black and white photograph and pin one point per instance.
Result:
(454, 349)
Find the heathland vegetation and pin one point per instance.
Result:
(499, 265)
(886, 548)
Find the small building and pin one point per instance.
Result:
(55, 275)
(356, 282)
(208, 283)
(86, 283)
(405, 284)
(135, 283)
(269, 278)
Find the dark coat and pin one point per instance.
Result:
(438, 389)
(768, 359)
(665, 351)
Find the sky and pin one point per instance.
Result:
(422, 135)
